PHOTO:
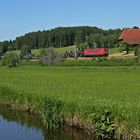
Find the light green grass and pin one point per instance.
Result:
(60, 50)
(117, 51)
(17, 52)
(114, 50)
(88, 88)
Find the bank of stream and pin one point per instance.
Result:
(16, 125)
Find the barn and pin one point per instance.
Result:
(130, 36)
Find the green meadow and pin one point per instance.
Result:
(60, 50)
(83, 90)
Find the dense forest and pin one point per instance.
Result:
(64, 36)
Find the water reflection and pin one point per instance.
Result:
(21, 126)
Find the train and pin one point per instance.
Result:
(96, 52)
(91, 52)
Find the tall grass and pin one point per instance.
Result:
(51, 113)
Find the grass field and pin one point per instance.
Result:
(88, 89)
(60, 50)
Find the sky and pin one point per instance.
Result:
(18, 17)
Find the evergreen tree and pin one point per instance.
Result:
(17, 44)
(80, 38)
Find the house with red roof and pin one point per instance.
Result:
(130, 36)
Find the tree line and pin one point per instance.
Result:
(82, 36)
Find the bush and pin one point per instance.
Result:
(42, 52)
(10, 59)
(121, 49)
(104, 124)
(137, 53)
(49, 57)
(25, 50)
(124, 47)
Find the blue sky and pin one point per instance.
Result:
(18, 17)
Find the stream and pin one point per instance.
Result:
(22, 126)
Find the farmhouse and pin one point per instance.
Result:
(130, 36)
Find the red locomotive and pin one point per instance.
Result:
(96, 52)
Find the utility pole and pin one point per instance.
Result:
(75, 51)
(60, 42)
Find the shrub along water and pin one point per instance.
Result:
(104, 124)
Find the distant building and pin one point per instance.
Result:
(130, 36)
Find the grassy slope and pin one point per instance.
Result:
(89, 88)
(61, 50)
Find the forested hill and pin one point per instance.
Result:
(63, 36)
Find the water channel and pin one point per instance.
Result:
(22, 126)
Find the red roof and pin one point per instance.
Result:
(130, 36)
